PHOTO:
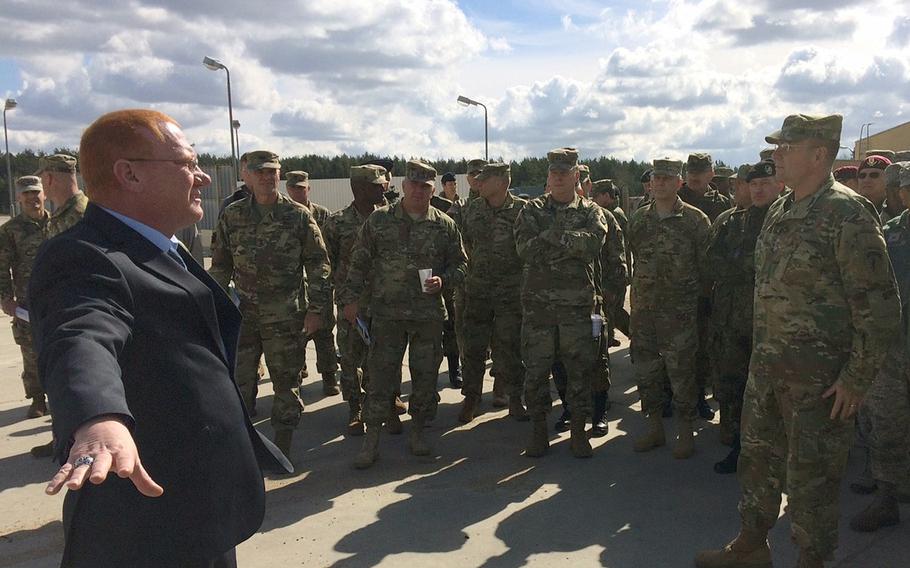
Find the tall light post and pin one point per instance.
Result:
(236, 125)
(465, 101)
(215, 65)
(9, 104)
(860, 145)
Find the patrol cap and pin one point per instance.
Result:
(28, 183)
(476, 165)
(874, 161)
(369, 173)
(801, 126)
(893, 174)
(845, 173)
(563, 159)
(419, 171)
(666, 167)
(56, 163)
(905, 176)
(495, 169)
(699, 162)
(890, 154)
(763, 169)
(723, 172)
(742, 172)
(298, 178)
(766, 153)
(585, 172)
(645, 177)
(448, 176)
(604, 186)
(260, 160)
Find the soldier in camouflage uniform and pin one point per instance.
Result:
(492, 302)
(584, 180)
(607, 196)
(297, 185)
(699, 193)
(668, 239)
(20, 238)
(341, 230)
(58, 177)
(887, 404)
(826, 311)
(263, 243)
(559, 238)
(395, 243)
(731, 262)
(723, 181)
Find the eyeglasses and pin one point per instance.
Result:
(870, 175)
(191, 165)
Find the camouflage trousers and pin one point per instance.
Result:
(730, 365)
(493, 324)
(390, 338)
(354, 374)
(458, 307)
(790, 445)
(702, 356)
(326, 358)
(887, 406)
(450, 342)
(548, 336)
(665, 342)
(284, 356)
(22, 335)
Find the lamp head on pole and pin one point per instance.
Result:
(235, 124)
(212, 64)
(465, 101)
(10, 104)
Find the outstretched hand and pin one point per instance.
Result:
(110, 445)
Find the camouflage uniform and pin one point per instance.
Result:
(492, 305)
(20, 238)
(341, 230)
(711, 203)
(265, 251)
(559, 246)
(389, 251)
(612, 282)
(326, 357)
(669, 275)
(731, 264)
(826, 310)
(67, 215)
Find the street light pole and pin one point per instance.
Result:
(215, 65)
(9, 104)
(465, 101)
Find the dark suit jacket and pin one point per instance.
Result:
(123, 329)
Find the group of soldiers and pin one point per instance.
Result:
(773, 284)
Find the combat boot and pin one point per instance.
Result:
(330, 384)
(581, 446)
(469, 408)
(369, 451)
(883, 512)
(726, 425)
(455, 379)
(702, 407)
(416, 438)
(562, 423)
(540, 443)
(393, 423)
(500, 400)
(654, 437)
(748, 550)
(355, 421)
(37, 408)
(283, 441)
(43, 451)
(517, 409)
(685, 442)
(599, 420)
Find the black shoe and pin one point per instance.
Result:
(614, 342)
(43, 451)
(455, 373)
(563, 423)
(599, 418)
(703, 408)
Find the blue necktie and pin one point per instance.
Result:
(172, 252)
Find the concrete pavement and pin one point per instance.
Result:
(476, 502)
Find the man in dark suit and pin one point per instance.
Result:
(136, 352)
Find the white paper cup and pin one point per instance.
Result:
(424, 274)
(597, 323)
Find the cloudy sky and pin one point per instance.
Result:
(629, 79)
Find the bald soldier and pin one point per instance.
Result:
(264, 243)
(297, 184)
(20, 238)
(826, 311)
